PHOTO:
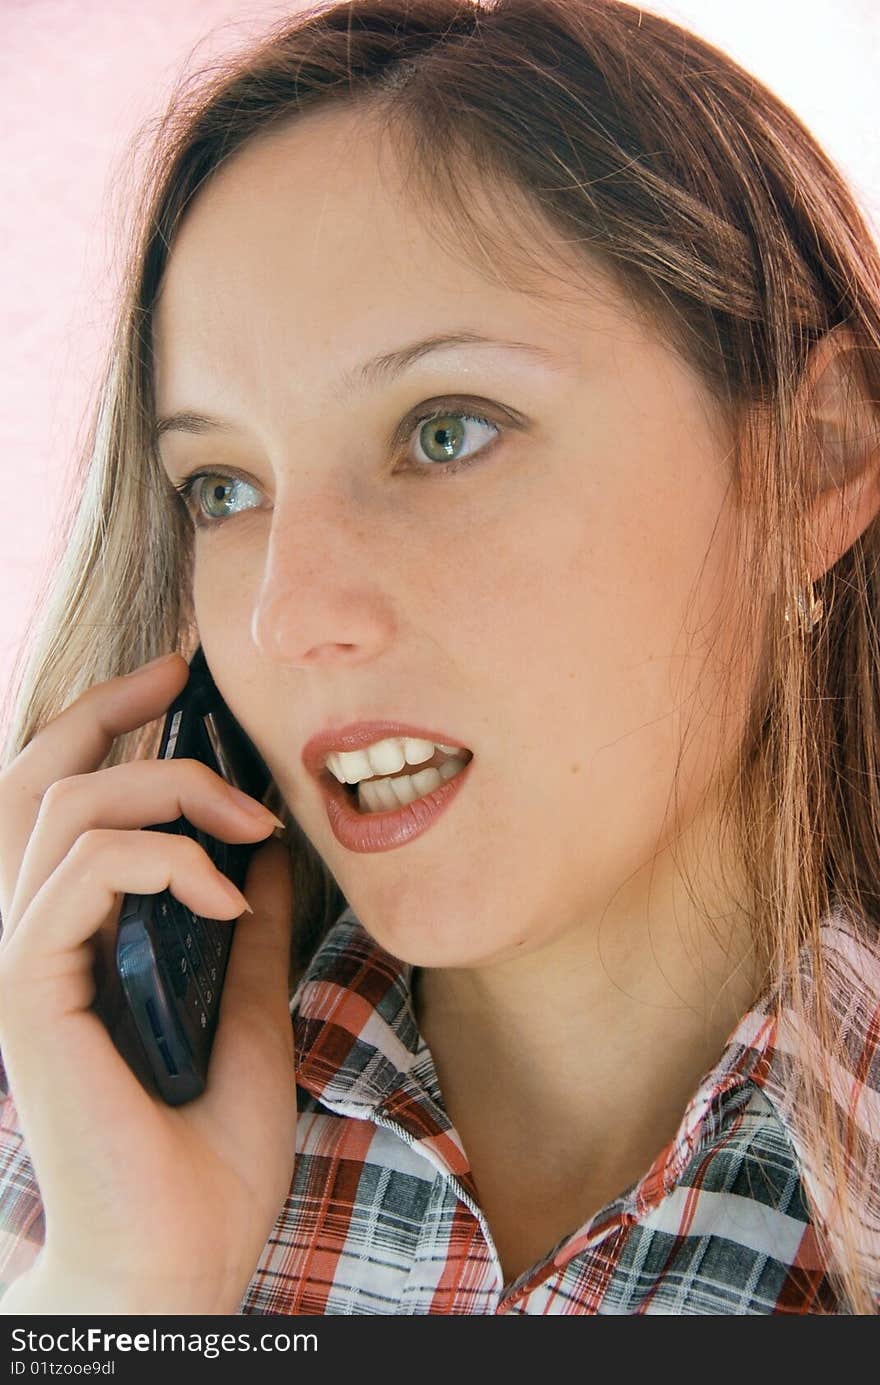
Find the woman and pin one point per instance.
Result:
(598, 1034)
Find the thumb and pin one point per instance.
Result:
(254, 1027)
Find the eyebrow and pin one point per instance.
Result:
(380, 369)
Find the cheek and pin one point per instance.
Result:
(593, 620)
(572, 598)
(222, 588)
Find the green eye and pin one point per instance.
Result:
(440, 435)
(198, 501)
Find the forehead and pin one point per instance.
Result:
(306, 255)
(308, 244)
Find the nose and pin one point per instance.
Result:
(321, 599)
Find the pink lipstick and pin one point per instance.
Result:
(378, 831)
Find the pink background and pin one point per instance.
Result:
(79, 77)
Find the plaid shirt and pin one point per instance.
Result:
(383, 1214)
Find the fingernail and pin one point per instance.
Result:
(152, 664)
(236, 895)
(251, 806)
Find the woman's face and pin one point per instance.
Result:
(551, 604)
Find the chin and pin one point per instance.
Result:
(435, 931)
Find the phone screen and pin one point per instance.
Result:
(171, 962)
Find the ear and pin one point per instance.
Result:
(846, 425)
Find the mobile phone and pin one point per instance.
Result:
(171, 962)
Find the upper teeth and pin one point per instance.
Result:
(385, 757)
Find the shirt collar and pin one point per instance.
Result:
(358, 1047)
(354, 1025)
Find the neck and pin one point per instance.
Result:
(601, 1035)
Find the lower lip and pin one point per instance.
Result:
(384, 831)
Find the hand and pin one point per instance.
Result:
(168, 1207)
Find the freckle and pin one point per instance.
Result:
(575, 769)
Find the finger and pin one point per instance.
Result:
(254, 1039)
(133, 794)
(77, 740)
(73, 903)
(63, 1063)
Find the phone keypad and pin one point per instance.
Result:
(195, 949)
(185, 963)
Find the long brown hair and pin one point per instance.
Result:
(640, 148)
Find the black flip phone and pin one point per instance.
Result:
(171, 962)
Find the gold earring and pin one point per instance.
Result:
(810, 609)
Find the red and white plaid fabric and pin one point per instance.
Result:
(383, 1214)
